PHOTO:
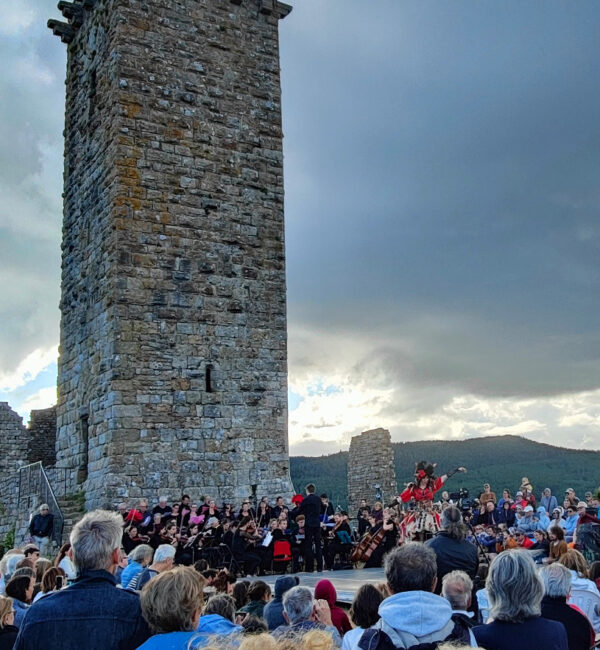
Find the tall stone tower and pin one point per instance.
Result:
(173, 352)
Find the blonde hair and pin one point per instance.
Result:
(575, 561)
(259, 642)
(6, 607)
(170, 600)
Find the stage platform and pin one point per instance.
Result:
(345, 582)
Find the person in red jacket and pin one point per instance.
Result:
(326, 591)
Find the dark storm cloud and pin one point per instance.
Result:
(442, 165)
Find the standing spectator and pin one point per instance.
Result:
(325, 590)
(557, 587)
(163, 561)
(364, 613)
(8, 630)
(273, 612)
(413, 614)
(548, 501)
(311, 509)
(91, 613)
(487, 495)
(515, 593)
(452, 550)
(172, 604)
(42, 527)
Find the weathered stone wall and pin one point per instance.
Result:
(173, 357)
(13, 454)
(371, 463)
(41, 443)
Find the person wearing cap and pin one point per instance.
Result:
(527, 524)
(542, 519)
(571, 497)
(583, 517)
(522, 540)
(519, 500)
(42, 527)
(548, 501)
(273, 612)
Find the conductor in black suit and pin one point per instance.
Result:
(311, 509)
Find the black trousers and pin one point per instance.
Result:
(312, 548)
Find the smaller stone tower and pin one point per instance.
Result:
(371, 468)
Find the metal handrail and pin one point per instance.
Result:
(40, 491)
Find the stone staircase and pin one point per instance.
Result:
(73, 508)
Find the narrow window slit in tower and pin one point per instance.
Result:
(209, 379)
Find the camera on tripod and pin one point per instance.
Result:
(461, 499)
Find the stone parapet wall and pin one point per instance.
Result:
(371, 464)
(41, 444)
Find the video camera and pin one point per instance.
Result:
(461, 499)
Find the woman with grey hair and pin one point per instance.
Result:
(515, 593)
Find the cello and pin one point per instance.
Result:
(366, 547)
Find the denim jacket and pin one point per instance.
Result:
(91, 613)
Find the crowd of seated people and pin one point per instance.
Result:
(434, 593)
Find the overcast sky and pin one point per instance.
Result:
(443, 217)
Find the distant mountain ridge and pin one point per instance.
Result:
(501, 461)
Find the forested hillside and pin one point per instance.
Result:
(501, 460)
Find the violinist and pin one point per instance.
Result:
(246, 511)
(244, 546)
(363, 517)
(227, 511)
(340, 539)
(188, 546)
(132, 538)
(212, 533)
(169, 534)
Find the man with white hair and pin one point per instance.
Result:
(92, 612)
(162, 508)
(303, 613)
(41, 528)
(457, 589)
(557, 588)
(163, 561)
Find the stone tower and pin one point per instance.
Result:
(173, 352)
(371, 470)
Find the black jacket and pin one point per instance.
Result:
(311, 509)
(8, 636)
(453, 554)
(42, 525)
(579, 630)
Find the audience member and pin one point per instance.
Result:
(259, 594)
(20, 589)
(64, 560)
(557, 587)
(457, 589)
(303, 614)
(139, 559)
(577, 565)
(92, 612)
(413, 614)
(53, 580)
(8, 630)
(163, 561)
(515, 593)
(273, 612)
(364, 613)
(41, 528)
(548, 501)
(325, 590)
(217, 620)
(172, 604)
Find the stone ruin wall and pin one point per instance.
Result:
(371, 463)
(173, 351)
(19, 446)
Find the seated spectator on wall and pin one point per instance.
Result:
(489, 516)
(557, 545)
(557, 588)
(548, 501)
(92, 612)
(172, 605)
(325, 590)
(527, 524)
(505, 497)
(522, 540)
(570, 522)
(507, 514)
(364, 613)
(303, 614)
(487, 495)
(273, 611)
(139, 559)
(8, 630)
(515, 594)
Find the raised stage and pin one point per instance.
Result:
(346, 582)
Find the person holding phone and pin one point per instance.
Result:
(54, 579)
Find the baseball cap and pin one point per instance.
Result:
(528, 509)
